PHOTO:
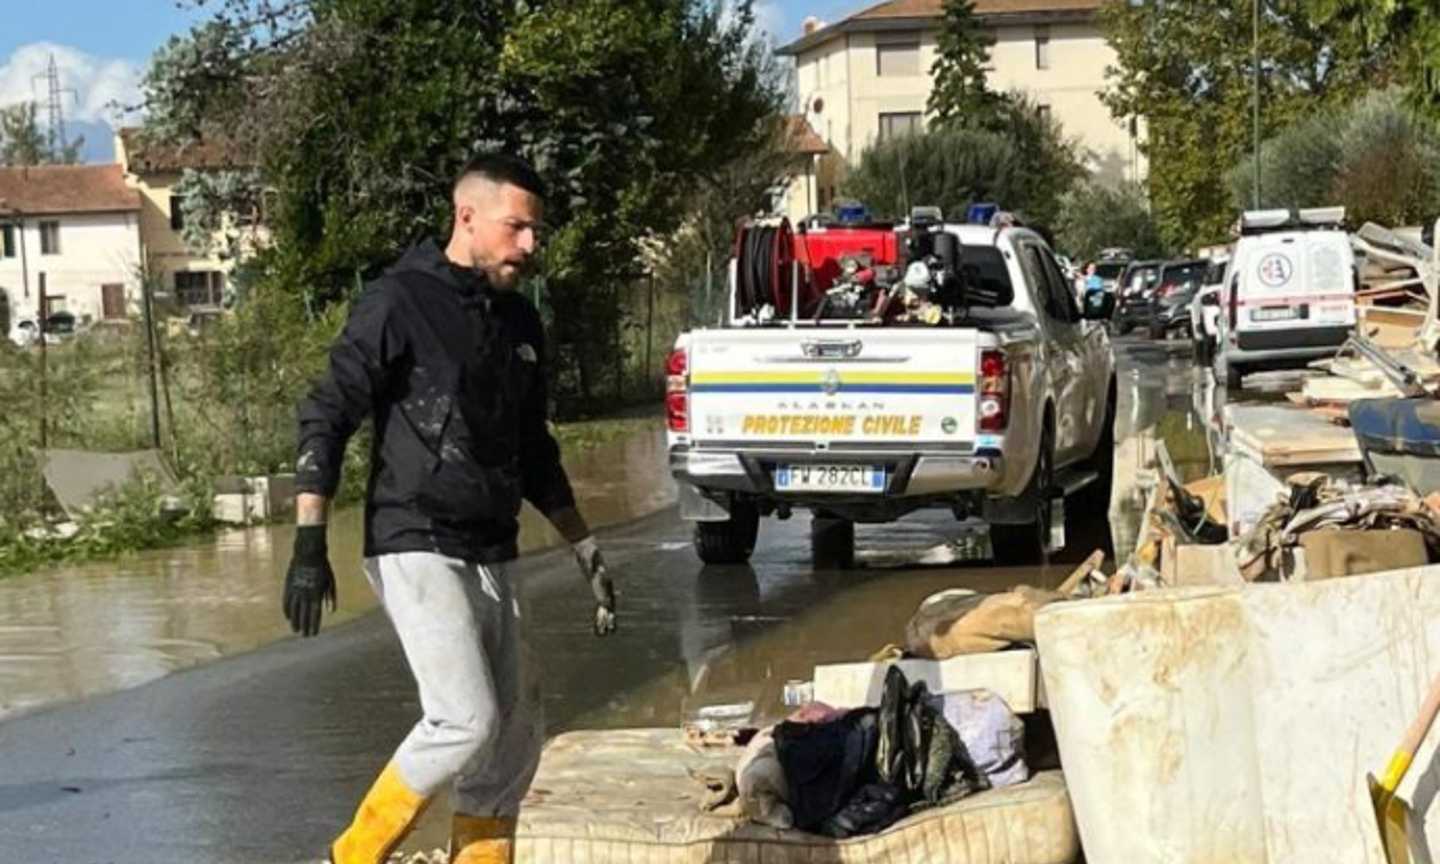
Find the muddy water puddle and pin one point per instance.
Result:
(746, 631)
(71, 632)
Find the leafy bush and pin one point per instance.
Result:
(1096, 216)
(1376, 156)
(1027, 169)
(122, 521)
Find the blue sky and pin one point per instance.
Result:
(102, 51)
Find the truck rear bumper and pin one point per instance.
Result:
(907, 475)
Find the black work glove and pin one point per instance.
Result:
(592, 567)
(309, 582)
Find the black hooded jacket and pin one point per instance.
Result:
(450, 371)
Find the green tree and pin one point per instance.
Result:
(744, 186)
(21, 142)
(359, 112)
(954, 167)
(1406, 30)
(1378, 156)
(1186, 68)
(1026, 169)
(1096, 216)
(1298, 166)
(961, 94)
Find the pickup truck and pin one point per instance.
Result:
(995, 411)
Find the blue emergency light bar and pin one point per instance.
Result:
(981, 214)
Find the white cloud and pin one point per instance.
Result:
(97, 81)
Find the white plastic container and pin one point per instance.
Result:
(1238, 724)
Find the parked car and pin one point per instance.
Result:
(61, 326)
(1132, 303)
(1177, 285)
(1110, 272)
(1289, 295)
(1205, 310)
(23, 332)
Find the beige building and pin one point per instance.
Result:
(192, 278)
(69, 242)
(867, 77)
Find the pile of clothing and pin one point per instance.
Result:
(845, 773)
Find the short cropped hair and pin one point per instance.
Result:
(503, 168)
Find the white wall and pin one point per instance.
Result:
(95, 249)
(842, 71)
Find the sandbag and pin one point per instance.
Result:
(958, 622)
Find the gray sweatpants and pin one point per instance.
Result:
(459, 624)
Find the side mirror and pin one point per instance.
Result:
(1099, 305)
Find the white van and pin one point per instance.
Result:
(1289, 294)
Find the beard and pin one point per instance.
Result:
(504, 276)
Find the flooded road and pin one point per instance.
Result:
(71, 632)
(261, 757)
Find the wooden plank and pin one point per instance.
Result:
(1341, 391)
(1286, 435)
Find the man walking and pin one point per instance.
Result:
(446, 360)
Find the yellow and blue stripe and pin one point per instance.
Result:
(943, 383)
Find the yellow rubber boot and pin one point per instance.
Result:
(481, 840)
(383, 820)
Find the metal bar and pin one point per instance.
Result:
(1255, 99)
(1405, 379)
(794, 292)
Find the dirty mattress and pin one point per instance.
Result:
(623, 796)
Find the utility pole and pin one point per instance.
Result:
(1255, 96)
(147, 307)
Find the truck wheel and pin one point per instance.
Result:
(1023, 545)
(730, 541)
(1234, 376)
(1089, 513)
(1095, 498)
(832, 543)
(1123, 327)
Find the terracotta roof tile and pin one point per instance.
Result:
(934, 8)
(895, 12)
(57, 189)
(143, 156)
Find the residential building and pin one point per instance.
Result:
(189, 277)
(867, 77)
(69, 234)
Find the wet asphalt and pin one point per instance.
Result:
(262, 757)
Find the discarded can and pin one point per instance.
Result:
(799, 692)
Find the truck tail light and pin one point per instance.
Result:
(677, 391)
(994, 404)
